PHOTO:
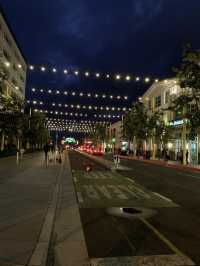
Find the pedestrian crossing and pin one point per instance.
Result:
(106, 188)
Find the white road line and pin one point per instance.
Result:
(79, 195)
(131, 180)
(162, 197)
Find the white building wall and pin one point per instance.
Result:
(12, 60)
(115, 131)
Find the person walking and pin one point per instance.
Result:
(46, 150)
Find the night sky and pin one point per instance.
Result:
(139, 37)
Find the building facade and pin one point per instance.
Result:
(159, 97)
(12, 62)
(115, 135)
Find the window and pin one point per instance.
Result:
(14, 81)
(14, 67)
(149, 105)
(17, 56)
(157, 101)
(7, 40)
(166, 97)
(22, 79)
(6, 55)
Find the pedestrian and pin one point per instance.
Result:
(46, 150)
(116, 160)
(187, 153)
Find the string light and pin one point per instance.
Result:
(76, 72)
(75, 114)
(78, 106)
(87, 73)
(81, 94)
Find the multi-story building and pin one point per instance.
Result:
(159, 97)
(115, 135)
(12, 62)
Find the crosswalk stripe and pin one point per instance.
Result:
(162, 197)
(79, 195)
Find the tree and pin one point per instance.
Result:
(100, 135)
(188, 103)
(36, 130)
(158, 130)
(135, 125)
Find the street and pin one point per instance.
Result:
(176, 218)
(146, 214)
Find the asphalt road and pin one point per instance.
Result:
(172, 229)
(25, 193)
(180, 225)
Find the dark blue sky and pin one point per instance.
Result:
(142, 37)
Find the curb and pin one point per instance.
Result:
(40, 254)
(72, 252)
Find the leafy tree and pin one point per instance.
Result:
(188, 76)
(100, 135)
(187, 103)
(135, 124)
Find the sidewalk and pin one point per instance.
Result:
(27, 203)
(70, 247)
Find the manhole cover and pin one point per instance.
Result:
(131, 210)
(131, 213)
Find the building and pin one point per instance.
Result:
(115, 135)
(159, 97)
(12, 62)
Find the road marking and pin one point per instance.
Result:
(162, 197)
(139, 191)
(79, 196)
(123, 234)
(91, 192)
(163, 238)
(131, 180)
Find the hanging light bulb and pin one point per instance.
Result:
(128, 78)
